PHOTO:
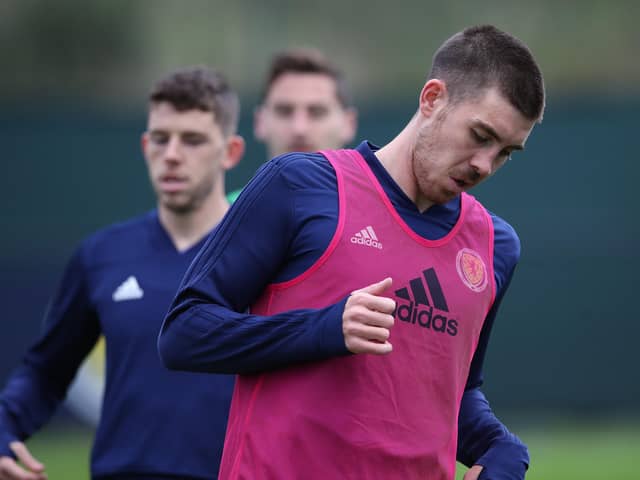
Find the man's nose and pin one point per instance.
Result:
(300, 123)
(173, 151)
(482, 163)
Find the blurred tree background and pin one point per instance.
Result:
(73, 88)
(111, 50)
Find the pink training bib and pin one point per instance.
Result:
(367, 416)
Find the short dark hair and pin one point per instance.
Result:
(481, 57)
(200, 88)
(306, 60)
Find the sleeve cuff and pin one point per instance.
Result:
(332, 335)
(5, 440)
(505, 460)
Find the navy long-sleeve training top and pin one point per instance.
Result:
(280, 225)
(155, 423)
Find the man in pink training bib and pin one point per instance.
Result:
(353, 291)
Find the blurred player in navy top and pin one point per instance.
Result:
(305, 105)
(155, 424)
(482, 98)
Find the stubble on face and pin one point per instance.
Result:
(191, 200)
(428, 148)
(464, 144)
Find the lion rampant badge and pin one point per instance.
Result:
(472, 270)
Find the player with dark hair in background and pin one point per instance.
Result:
(305, 105)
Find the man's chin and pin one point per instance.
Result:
(302, 148)
(178, 206)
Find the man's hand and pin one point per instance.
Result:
(31, 468)
(367, 319)
(473, 473)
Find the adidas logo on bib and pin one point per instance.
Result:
(367, 237)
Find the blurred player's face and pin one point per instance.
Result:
(186, 154)
(458, 146)
(301, 113)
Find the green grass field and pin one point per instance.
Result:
(580, 452)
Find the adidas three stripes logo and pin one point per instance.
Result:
(367, 237)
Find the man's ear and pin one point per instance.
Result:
(234, 152)
(350, 125)
(144, 143)
(258, 124)
(433, 97)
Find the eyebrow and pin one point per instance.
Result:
(491, 131)
(162, 130)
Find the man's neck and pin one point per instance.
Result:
(187, 229)
(396, 157)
